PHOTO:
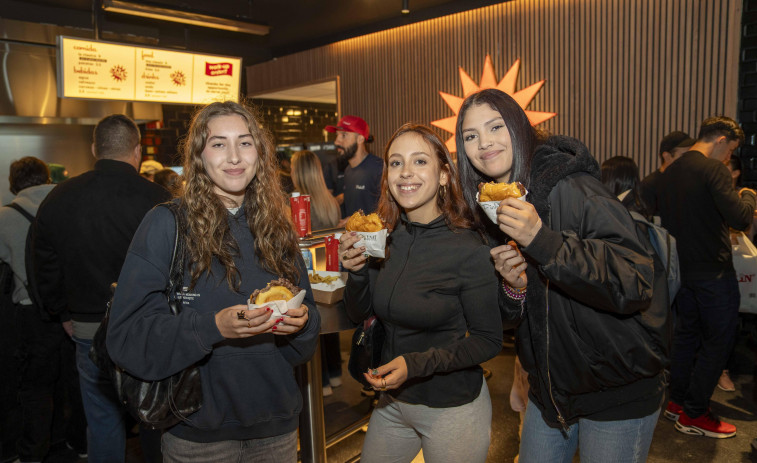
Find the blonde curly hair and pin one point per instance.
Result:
(208, 233)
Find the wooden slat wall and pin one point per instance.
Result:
(620, 74)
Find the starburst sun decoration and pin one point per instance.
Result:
(489, 80)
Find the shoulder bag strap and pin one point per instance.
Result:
(22, 211)
(176, 269)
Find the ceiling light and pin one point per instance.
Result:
(184, 17)
(405, 6)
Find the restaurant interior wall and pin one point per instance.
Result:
(619, 75)
(295, 122)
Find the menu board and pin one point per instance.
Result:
(108, 71)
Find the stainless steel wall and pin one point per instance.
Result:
(620, 74)
(33, 120)
(62, 144)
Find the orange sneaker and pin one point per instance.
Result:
(705, 425)
(673, 411)
(725, 383)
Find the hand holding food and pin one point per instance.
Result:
(238, 322)
(511, 264)
(499, 191)
(352, 258)
(518, 220)
(388, 376)
(293, 322)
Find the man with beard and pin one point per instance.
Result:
(362, 177)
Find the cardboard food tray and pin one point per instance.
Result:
(329, 293)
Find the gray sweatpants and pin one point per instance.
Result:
(398, 430)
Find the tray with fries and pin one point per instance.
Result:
(328, 287)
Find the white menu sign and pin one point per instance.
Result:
(108, 71)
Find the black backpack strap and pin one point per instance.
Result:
(22, 211)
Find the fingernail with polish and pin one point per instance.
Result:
(273, 329)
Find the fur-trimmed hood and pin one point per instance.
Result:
(557, 158)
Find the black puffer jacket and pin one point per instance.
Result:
(593, 339)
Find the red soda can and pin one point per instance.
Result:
(299, 214)
(332, 254)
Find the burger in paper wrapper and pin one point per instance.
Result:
(372, 231)
(279, 295)
(491, 194)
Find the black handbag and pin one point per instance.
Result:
(156, 404)
(365, 352)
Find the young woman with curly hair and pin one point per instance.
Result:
(237, 240)
(436, 296)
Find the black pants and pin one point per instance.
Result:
(39, 351)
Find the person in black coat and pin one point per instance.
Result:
(590, 337)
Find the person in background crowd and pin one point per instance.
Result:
(697, 204)
(284, 167)
(237, 241)
(672, 146)
(149, 168)
(621, 175)
(58, 173)
(307, 176)
(590, 338)
(441, 321)
(41, 342)
(83, 229)
(362, 176)
(168, 179)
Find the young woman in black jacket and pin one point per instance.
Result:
(436, 295)
(593, 343)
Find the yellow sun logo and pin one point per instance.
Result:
(489, 80)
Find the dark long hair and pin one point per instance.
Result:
(522, 135)
(619, 174)
(456, 212)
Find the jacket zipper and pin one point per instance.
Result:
(560, 418)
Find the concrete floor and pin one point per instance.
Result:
(346, 405)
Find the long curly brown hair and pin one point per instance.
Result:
(208, 233)
(451, 203)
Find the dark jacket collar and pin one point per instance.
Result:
(437, 223)
(113, 165)
(557, 158)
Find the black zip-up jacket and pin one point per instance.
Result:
(83, 229)
(435, 286)
(594, 340)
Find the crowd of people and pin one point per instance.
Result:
(599, 339)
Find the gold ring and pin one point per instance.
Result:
(249, 325)
(383, 384)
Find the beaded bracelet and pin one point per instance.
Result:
(516, 294)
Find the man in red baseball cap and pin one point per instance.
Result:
(362, 177)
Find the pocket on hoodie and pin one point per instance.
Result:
(247, 387)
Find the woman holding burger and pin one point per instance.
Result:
(237, 240)
(592, 336)
(436, 295)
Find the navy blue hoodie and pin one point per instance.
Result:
(249, 388)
